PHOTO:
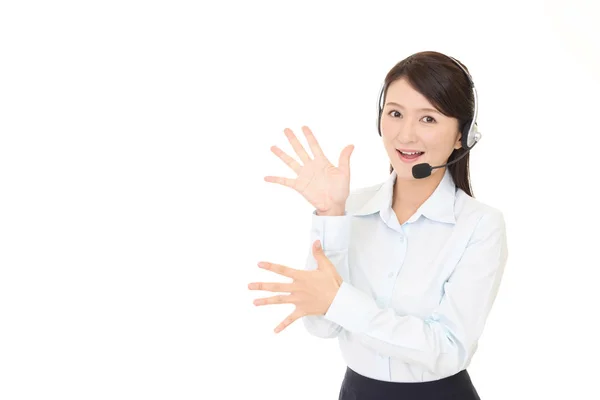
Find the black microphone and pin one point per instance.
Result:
(423, 170)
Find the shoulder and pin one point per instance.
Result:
(484, 219)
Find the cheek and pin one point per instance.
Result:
(439, 141)
(385, 127)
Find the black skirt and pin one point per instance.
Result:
(455, 387)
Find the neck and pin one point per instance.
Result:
(410, 194)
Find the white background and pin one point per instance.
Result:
(134, 137)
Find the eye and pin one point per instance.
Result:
(394, 113)
(431, 118)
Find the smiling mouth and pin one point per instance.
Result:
(409, 156)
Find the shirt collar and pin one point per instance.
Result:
(438, 207)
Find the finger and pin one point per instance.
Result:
(288, 321)
(291, 183)
(271, 286)
(312, 142)
(293, 164)
(322, 261)
(297, 146)
(317, 250)
(279, 299)
(279, 269)
(344, 164)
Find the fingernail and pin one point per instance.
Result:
(319, 244)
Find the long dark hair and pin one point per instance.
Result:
(446, 86)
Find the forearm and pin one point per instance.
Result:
(426, 342)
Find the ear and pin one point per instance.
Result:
(458, 143)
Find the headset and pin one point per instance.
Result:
(470, 133)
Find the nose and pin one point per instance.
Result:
(407, 132)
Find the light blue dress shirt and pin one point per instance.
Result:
(414, 297)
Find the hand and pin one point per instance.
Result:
(325, 186)
(311, 291)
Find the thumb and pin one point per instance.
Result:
(317, 250)
(323, 263)
(344, 163)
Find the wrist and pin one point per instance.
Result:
(336, 211)
(333, 295)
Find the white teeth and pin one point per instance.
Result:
(411, 154)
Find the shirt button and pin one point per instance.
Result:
(401, 239)
(391, 275)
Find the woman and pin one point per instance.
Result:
(409, 268)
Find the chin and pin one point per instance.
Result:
(403, 172)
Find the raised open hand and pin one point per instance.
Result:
(312, 292)
(322, 184)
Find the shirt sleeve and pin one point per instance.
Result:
(445, 341)
(334, 234)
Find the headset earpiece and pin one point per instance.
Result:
(470, 136)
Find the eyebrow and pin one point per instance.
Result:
(420, 109)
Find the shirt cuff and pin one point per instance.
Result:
(351, 308)
(332, 231)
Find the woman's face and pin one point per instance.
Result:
(409, 124)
